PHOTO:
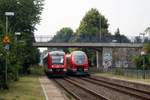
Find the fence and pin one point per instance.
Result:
(88, 38)
(94, 39)
(140, 74)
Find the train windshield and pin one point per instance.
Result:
(57, 59)
(79, 58)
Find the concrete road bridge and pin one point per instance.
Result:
(88, 45)
(44, 42)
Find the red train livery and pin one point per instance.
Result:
(55, 63)
(77, 63)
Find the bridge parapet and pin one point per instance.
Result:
(78, 39)
(43, 38)
(88, 45)
(82, 41)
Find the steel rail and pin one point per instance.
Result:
(86, 89)
(130, 91)
(70, 92)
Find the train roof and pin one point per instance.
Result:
(54, 53)
(78, 52)
(57, 53)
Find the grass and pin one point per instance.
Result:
(27, 88)
(147, 81)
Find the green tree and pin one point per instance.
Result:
(138, 39)
(147, 31)
(139, 59)
(93, 24)
(63, 35)
(147, 48)
(27, 15)
(120, 38)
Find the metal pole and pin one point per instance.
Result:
(6, 25)
(6, 52)
(143, 66)
(17, 57)
(100, 34)
(17, 34)
(143, 58)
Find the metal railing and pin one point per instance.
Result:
(86, 38)
(43, 38)
(94, 39)
(134, 73)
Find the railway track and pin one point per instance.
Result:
(138, 93)
(93, 88)
(142, 94)
(78, 91)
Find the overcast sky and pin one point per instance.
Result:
(131, 16)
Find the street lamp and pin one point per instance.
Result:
(143, 39)
(143, 54)
(7, 14)
(100, 33)
(17, 34)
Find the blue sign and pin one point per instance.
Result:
(7, 46)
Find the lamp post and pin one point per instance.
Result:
(143, 38)
(143, 54)
(17, 34)
(7, 14)
(100, 33)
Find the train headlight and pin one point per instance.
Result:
(65, 70)
(74, 70)
(85, 69)
(50, 70)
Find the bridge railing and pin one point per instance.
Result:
(94, 39)
(43, 38)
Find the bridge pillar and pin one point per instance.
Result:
(99, 58)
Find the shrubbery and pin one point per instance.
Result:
(119, 71)
(36, 70)
(143, 60)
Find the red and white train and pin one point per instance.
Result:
(55, 63)
(58, 63)
(77, 63)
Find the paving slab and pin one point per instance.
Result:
(50, 90)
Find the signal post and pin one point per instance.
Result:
(6, 42)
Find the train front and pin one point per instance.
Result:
(58, 63)
(80, 62)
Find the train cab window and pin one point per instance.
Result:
(57, 59)
(79, 59)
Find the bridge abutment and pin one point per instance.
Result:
(99, 59)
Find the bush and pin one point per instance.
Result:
(36, 70)
(119, 71)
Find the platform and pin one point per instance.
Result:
(50, 90)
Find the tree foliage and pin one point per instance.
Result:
(27, 14)
(120, 38)
(63, 35)
(92, 24)
(137, 39)
(147, 31)
(21, 54)
(143, 60)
